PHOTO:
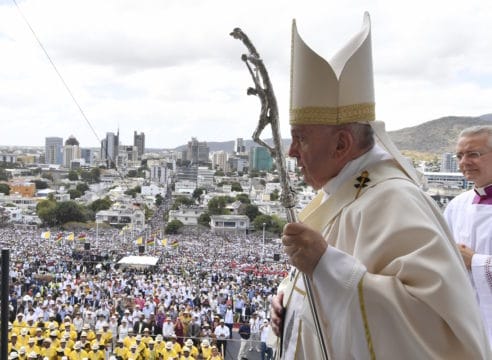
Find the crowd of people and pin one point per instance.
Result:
(72, 301)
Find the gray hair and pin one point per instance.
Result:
(362, 133)
(478, 130)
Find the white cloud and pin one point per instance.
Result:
(170, 69)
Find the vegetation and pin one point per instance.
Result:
(101, 204)
(4, 188)
(204, 219)
(216, 206)
(73, 175)
(173, 227)
(133, 192)
(159, 200)
(182, 200)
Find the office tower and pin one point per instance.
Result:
(260, 159)
(87, 155)
(110, 148)
(219, 161)
(53, 150)
(71, 151)
(239, 147)
(139, 142)
(197, 152)
(448, 163)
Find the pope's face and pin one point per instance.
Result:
(476, 169)
(313, 147)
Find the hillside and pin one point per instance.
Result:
(435, 136)
(431, 137)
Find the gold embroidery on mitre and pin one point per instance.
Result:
(323, 115)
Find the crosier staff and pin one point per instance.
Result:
(269, 115)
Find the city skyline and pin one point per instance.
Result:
(171, 70)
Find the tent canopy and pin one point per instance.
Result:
(140, 261)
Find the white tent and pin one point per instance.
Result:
(139, 261)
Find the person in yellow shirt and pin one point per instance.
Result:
(23, 336)
(216, 355)
(140, 344)
(120, 350)
(107, 335)
(193, 349)
(31, 325)
(151, 353)
(205, 349)
(99, 338)
(176, 344)
(19, 322)
(67, 343)
(48, 350)
(55, 342)
(186, 354)
(96, 353)
(22, 353)
(129, 340)
(78, 353)
(146, 337)
(13, 343)
(160, 345)
(169, 352)
(32, 346)
(91, 335)
(133, 353)
(67, 329)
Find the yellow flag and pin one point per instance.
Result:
(46, 235)
(139, 241)
(70, 236)
(164, 242)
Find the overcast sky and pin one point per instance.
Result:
(170, 69)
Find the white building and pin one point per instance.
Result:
(223, 224)
(188, 216)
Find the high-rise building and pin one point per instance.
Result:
(110, 148)
(448, 163)
(71, 151)
(239, 147)
(260, 159)
(219, 161)
(88, 155)
(53, 150)
(197, 152)
(139, 142)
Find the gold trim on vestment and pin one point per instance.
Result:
(367, 331)
(323, 115)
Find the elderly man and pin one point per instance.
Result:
(387, 281)
(469, 215)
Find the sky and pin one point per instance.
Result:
(169, 68)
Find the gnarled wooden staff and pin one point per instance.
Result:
(269, 115)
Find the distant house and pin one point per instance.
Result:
(224, 224)
(188, 216)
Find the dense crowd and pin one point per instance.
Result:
(72, 301)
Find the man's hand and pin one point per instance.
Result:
(467, 254)
(304, 246)
(277, 313)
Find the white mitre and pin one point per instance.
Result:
(340, 91)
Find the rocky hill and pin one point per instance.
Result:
(431, 137)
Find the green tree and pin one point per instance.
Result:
(74, 194)
(133, 192)
(101, 204)
(274, 195)
(159, 200)
(216, 206)
(82, 187)
(40, 184)
(219, 173)
(173, 227)
(69, 211)
(197, 193)
(46, 211)
(4, 188)
(4, 175)
(48, 176)
(204, 219)
(244, 198)
(73, 175)
(251, 211)
(182, 200)
(235, 186)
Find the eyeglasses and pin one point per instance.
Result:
(472, 155)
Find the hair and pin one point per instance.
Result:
(478, 130)
(363, 134)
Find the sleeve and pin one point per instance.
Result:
(381, 292)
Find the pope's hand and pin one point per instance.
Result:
(304, 246)
(277, 313)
